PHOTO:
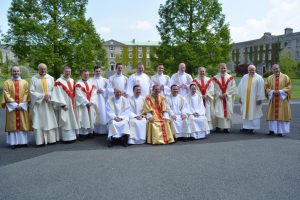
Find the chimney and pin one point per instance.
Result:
(267, 34)
(288, 31)
(133, 41)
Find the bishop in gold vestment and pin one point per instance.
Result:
(15, 101)
(158, 123)
(278, 91)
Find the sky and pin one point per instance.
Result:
(124, 20)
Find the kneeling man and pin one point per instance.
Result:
(158, 124)
(137, 121)
(118, 111)
(178, 112)
(198, 123)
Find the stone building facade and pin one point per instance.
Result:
(264, 52)
(130, 53)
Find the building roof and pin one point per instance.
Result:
(133, 43)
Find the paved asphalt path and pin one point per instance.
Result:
(223, 166)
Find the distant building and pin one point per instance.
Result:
(265, 51)
(130, 53)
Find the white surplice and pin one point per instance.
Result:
(209, 101)
(138, 79)
(44, 120)
(178, 106)
(161, 79)
(117, 108)
(257, 93)
(100, 125)
(198, 126)
(85, 93)
(137, 127)
(116, 81)
(221, 120)
(63, 95)
(181, 78)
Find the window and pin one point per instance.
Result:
(140, 48)
(112, 55)
(112, 48)
(297, 55)
(130, 55)
(148, 55)
(129, 48)
(140, 55)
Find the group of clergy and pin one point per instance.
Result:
(139, 109)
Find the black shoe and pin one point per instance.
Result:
(13, 146)
(81, 138)
(243, 130)
(217, 130)
(250, 131)
(271, 133)
(109, 143)
(184, 139)
(226, 130)
(125, 140)
(280, 135)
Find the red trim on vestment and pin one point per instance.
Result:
(223, 86)
(203, 87)
(69, 91)
(158, 111)
(276, 98)
(17, 100)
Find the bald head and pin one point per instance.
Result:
(251, 70)
(181, 67)
(223, 68)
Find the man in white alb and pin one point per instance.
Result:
(162, 80)
(118, 80)
(178, 109)
(63, 98)
(43, 117)
(198, 124)
(182, 79)
(118, 112)
(137, 122)
(139, 78)
(252, 92)
(100, 84)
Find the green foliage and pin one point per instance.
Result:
(134, 57)
(125, 55)
(288, 65)
(118, 58)
(144, 59)
(212, 70)
(267, 73)
(54, 32)
(193, 32)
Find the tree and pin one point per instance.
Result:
(193, 32)
(54, 32)
(288, 64)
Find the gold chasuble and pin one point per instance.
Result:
(248, 96)
(158, 131)
(16, 91)
(278, 109)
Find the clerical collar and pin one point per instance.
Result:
(181, 73)
(118, 74)
(15, 79)
(160, 74)
(139, 74)
(65, 78)
(136, 97)
(97, 77)
(84, 80)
